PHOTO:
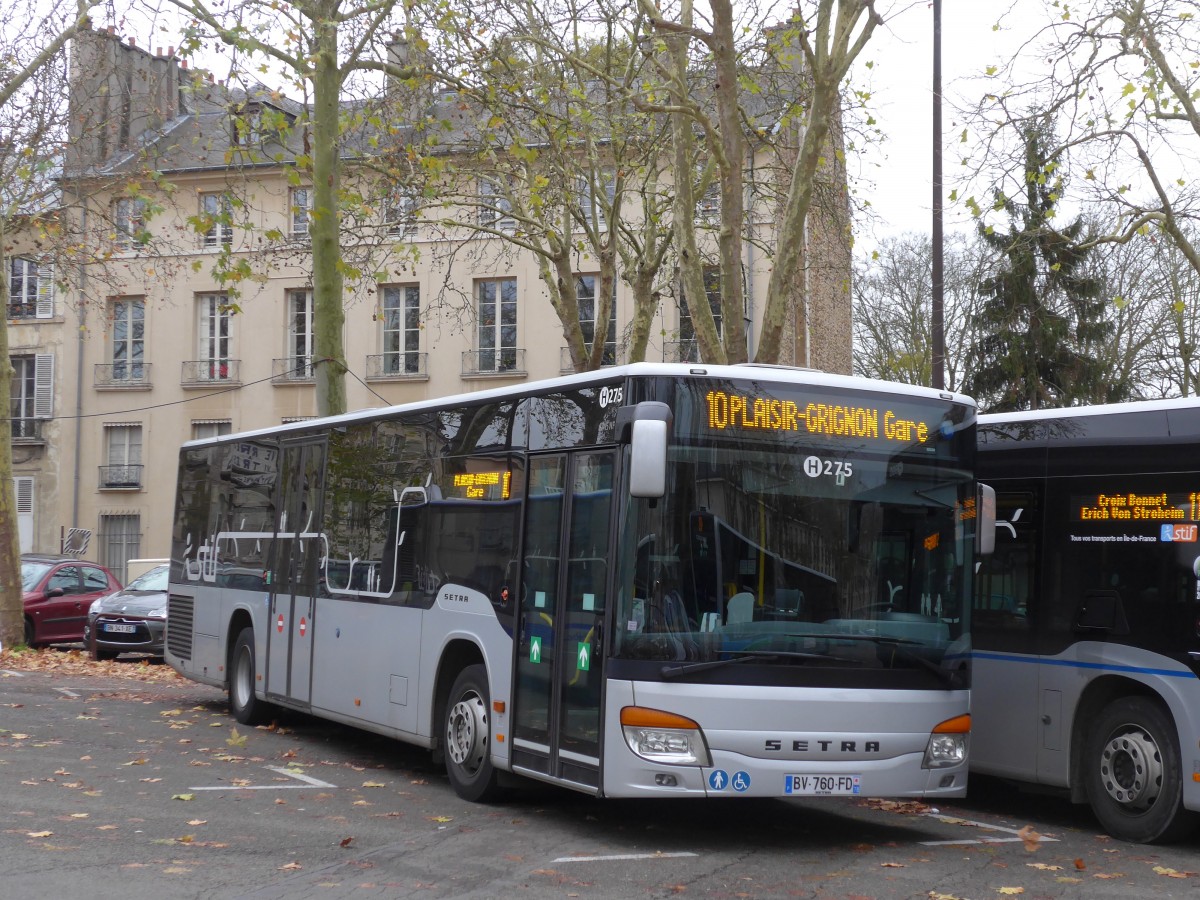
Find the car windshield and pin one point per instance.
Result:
(32, 573)
(154, 580)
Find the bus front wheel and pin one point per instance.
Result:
(247, 708)
(1134, 779)
(467, 737)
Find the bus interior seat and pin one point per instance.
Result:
(788, 601)
(739, 608)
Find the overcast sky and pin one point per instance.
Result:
(898, 176)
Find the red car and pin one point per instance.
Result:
(58, 590)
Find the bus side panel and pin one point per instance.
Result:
(366, 660)
(768, 733)
(1004, 714)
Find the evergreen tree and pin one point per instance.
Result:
(1042, 321)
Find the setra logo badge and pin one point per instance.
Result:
(1186, 534)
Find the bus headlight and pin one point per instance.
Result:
(663, 737)
(948, 744)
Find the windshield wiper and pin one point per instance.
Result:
(747, 656)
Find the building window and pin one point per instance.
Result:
(216, 217)
(689, 350)
(401, 330)
(300, 334)
(497, 324)
(400, 213)
(708, 207)
(247, 125)
(300, 202)
(585, 292)
(210, 428)
(213, 349)
(30, 289)
(120, 540)
(124, 456)
(129, 339)
(31, 395)
(129, 219)
(494, 206)
(591, 202)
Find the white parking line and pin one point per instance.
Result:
(9, 673)
(70, 693)
(620, 857)
(1017, 837)
(290, 773)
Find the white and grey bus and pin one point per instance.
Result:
(652, 580)
(1086, 625)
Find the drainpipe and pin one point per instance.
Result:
(82, 306)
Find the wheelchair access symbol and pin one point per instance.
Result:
(741, 782)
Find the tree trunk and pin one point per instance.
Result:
(12, 607)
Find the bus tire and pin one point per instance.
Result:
(466, 735)
(1133, 775)
(246, 707)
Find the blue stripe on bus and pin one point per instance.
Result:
(1075, 664)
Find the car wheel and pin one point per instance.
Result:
(1133, 773)
(467, 737)
(247, 708)
(29, 633)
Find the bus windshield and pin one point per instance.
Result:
(776, 555)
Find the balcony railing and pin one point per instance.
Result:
(121, 477)
(211, 373)
(295, 370)
(27, 431)
(613, 356)
(506, 361)
(397, 366)
(135, 375)
(681, 351)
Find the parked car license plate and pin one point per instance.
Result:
(822, 785)
(119, 628)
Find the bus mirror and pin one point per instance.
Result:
(648, 458)
(985, 527)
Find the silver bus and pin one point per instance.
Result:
(648, 581)
(1086, 625)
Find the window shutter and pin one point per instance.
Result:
(23, 488)
(43, 386)
(45, 292)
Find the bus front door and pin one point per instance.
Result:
(294, 573)
(564, 590)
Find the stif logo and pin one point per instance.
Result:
(1186, 534)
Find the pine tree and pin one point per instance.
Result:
(1042, 320)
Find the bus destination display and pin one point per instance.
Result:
(482, 485)
(1171, 512)
(743, 412)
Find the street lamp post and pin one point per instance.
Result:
(938, 310)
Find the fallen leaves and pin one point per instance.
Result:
(1173, 873)
(1030, 838)
(76, 662)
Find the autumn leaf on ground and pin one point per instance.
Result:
(374, 784)
(1030, 838)
(892, 865)
(198, 821)
(135, 762)
(290, 867)
(183, 797)
(235, 739)
(1011, 890)
(1172, 873)
(1080, 865)
(345, 842)
(39, 834)
(1045, 867)
(442, 819)
(171, 712)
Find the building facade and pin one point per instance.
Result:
(193, 315)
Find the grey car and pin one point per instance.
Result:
(132, 620)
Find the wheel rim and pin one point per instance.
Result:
(1131, 768)
(243, 675)
(466, 733)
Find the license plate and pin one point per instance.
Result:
(822, 785)
(120, 628)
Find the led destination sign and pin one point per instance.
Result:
(742, 412)
(1135, 507)
(479, 485)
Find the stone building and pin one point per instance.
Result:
(193, 315)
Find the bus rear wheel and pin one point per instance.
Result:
(1133, 774)
(247, 708)
(467, 737)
